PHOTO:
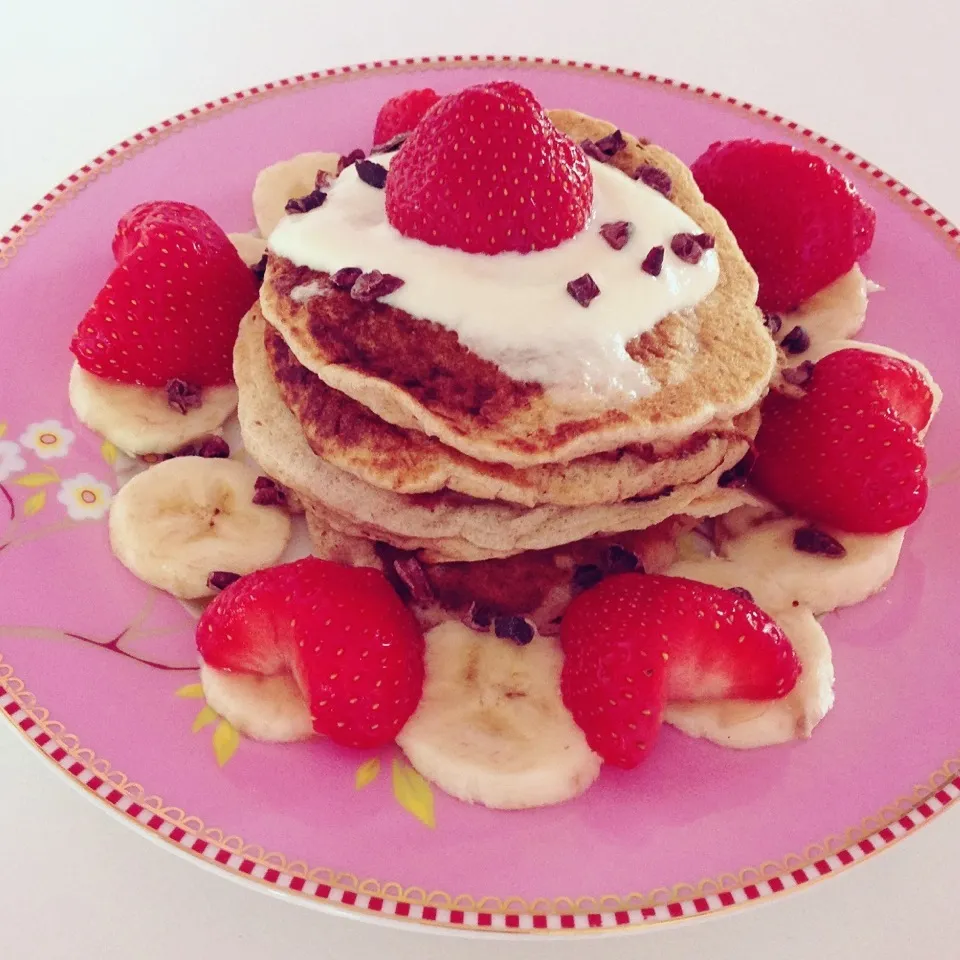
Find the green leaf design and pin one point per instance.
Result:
(204, 718)
(35, 503)
(109, 452)
(367, 772)
(192, 691)
(413, 793)
(225, 742)
(35, 480)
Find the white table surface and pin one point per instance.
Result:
(877, 76)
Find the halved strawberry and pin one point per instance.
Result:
(899, 383)
(846, 454)
(400, 114)
(636, 641)
(485, 171)
(342, 632)
(172, 307)
(799, 221)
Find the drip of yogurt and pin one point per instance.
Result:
(513, 309)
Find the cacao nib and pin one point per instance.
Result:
(221, 579)
(617, 233)
(346, 277)
(685, 246)
(810, 539)
(415, 579)
(799, 375)
(584, 289)
(653, 262)
(183, 396)
(796, 341)
(611, 144)
(374, 285)
(513, 628)
(268, 493)
(773, 323)
(214, 448)
(372, 174)
(306, 203)
(593, 151)
(654, 177)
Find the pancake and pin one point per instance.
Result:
(711, 363)
(347, 435)
(445, 525)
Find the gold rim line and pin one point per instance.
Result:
(726, 882)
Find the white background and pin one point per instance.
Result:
(878, 77)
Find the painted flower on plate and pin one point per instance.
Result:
(85, 497)
(10, 459)
(48, 439)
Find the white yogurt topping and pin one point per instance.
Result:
(514, 309)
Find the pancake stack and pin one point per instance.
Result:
(481, 495)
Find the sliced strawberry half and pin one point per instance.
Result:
(846, 454)
(635, 642)
(485, 171)
(172, 306)
(342, 632)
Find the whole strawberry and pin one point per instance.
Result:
(485, 171)
(400, 114)
(352, 646)
(798, 220)
(846, 454)
(172, 306)
(636, 641)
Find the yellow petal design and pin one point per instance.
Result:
(204, 718)
(35, 503)
(413, 793)
(109, 452)
(367, 772)
(225, 742)
(192, 691)
(34, 480)
(3, 429)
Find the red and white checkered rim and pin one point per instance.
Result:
(64, 751)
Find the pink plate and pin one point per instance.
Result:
(98, 671)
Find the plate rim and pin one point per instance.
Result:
(391, 901)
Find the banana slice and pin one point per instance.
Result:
(277, 184)
(250, 247)
(139, 420)
(491, 727)
(177, 522)
(820, 583)
(745, 724)
(265, 708)
(833, 313)
(821, 349)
